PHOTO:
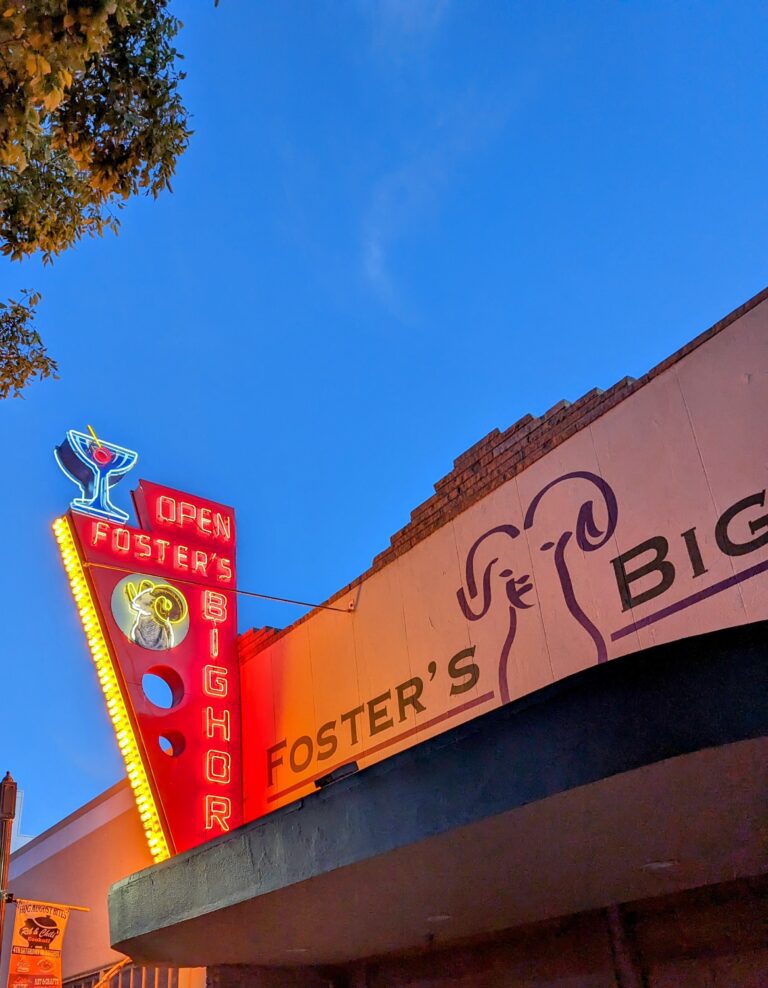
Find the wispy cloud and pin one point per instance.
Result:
(393, 22)
(409, 17)
(398, 200)
(404, 197)
(398, 29)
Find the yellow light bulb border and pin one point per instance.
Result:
(118, 712)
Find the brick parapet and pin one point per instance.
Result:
(252, 642)
(500, 456)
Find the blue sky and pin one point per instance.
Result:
(399, 224)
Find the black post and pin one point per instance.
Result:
(7, 814)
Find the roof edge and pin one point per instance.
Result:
(514, 450)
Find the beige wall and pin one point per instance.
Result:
(677, 453)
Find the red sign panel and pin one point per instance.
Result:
(166, 602)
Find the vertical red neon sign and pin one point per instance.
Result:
(164, 595)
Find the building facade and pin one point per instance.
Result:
(528, 745)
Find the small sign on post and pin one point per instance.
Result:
(38, 935)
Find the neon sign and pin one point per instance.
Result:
(158, 599)
(95, 466)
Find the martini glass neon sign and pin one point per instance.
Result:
(95, 466)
